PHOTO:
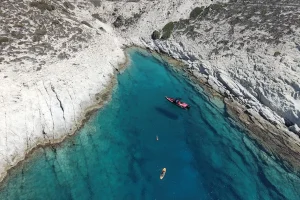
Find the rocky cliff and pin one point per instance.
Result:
(57, 57)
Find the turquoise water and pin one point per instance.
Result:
(116, 155)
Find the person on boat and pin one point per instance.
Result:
(163, 173)
(176, 101)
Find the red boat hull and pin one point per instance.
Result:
(180, 104)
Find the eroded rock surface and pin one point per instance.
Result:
(52, 68)
(57, 56)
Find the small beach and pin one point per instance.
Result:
(116, 155)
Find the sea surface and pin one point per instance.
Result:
(116, 154)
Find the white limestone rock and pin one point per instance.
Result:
(48, 103)
(230, 85)
(295, 129)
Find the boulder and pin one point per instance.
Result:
(295, 129)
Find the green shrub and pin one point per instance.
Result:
(96, 3)
(167, 30)
(155, 35)
(235, 20)
(205, 12)
(3, 39)
(216, 6)
(196, 12)
(55, 22)
(137, 15)
(19, 25)
(69, 5)
(182, 24)
(277, 53)
(42, 31)
(42, 5)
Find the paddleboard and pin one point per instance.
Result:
(163, 173)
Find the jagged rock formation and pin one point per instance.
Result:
(56, 57)
(250, 47)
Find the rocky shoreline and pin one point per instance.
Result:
(102, 98)
(237, 47)
(58, 56)
(276, 140)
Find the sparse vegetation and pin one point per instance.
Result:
(87, 24)
(63, 55)
(40, 32)
(137, 15)
(209, 29)
(55, 22)
(234, 21)
(19, 25)
(42, 5)
(155, 35)
(119, 21)
(3, 40)
(205, 12)
(167, 31)
(96, 3)
(196, 12)
(131, 20)
(224, 42)
(26, 28)
(69, 5)
(277, 53)
(244, 18)
(17, 35)
(181, 24)
(189, 29)
(97, 16)
(216, 6)
(102, 29)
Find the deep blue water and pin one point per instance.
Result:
(116, 155)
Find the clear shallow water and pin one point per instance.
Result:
(116, 155)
